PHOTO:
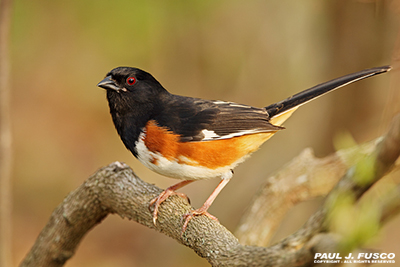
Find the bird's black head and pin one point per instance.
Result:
(134, 97)
(132, 83)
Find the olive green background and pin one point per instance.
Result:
(253, 52)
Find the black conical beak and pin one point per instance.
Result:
(109, 84)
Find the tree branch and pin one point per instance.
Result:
(116, 189)
(298, 181)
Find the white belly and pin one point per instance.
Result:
(177, 168)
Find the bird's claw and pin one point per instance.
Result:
(160, 199)
(188, 216)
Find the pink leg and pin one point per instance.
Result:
(206, 205)
(166, 194)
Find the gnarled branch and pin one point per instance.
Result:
(115, 189)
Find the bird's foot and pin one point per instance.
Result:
(161, 198)
(201, 211)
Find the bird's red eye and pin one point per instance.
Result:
(131, 80)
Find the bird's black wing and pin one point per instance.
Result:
(201, 120)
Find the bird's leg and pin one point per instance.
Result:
(203, 210)
(166, 194)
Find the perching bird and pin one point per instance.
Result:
(192, 139)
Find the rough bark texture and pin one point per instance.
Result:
(116, 189)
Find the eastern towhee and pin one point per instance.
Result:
(190, 138)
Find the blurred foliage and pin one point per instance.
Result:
(358, 221)
(362, 162)
(357, 224)
(254, 52)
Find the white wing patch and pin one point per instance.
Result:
(238, 105)
(211, 135)
(219, 102)
(232, 104)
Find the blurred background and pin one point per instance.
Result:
(254, 52)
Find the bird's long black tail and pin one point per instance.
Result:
(291, 103)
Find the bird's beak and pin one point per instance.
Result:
(108, 84)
